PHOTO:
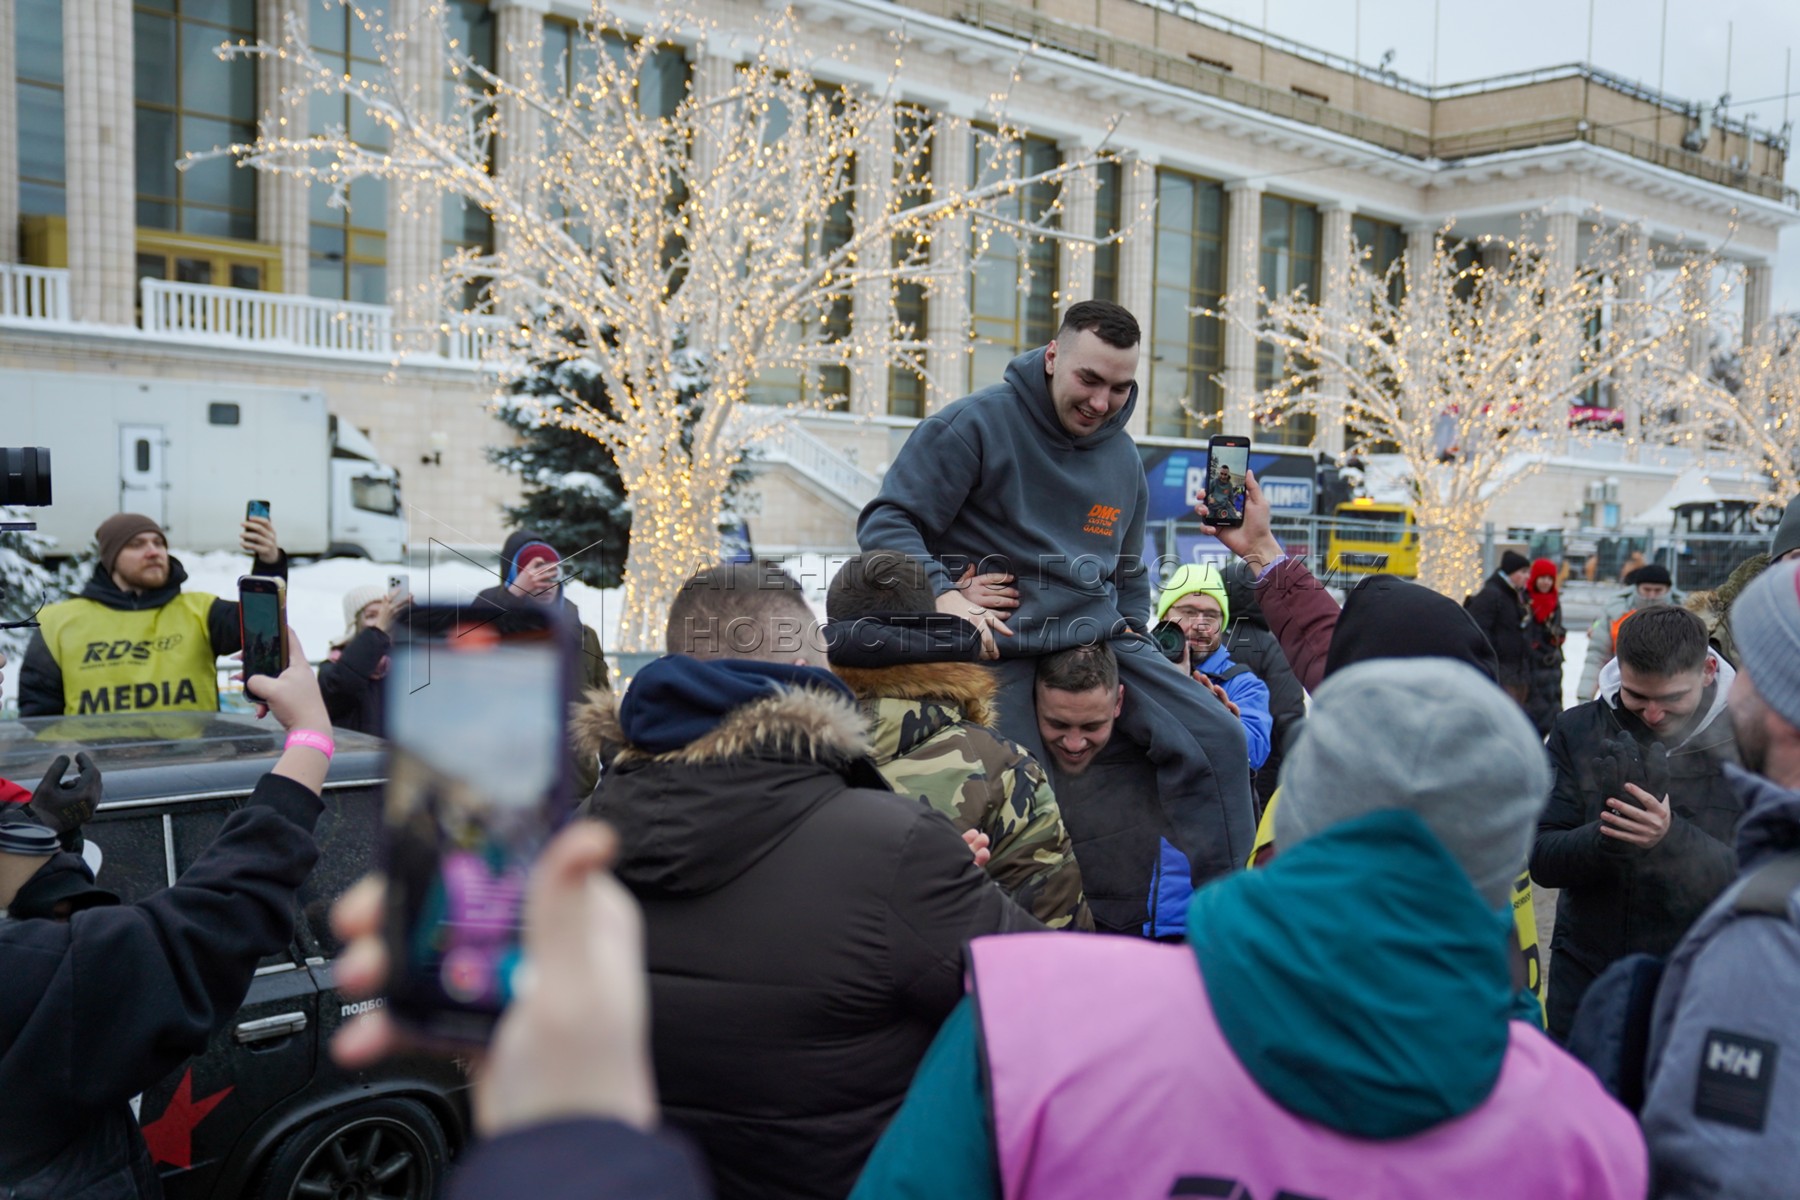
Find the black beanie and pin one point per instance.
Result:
(1388, 617)
(1787, 534)
(1653, 573)
(1512, 561)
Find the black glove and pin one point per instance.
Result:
(63, 807)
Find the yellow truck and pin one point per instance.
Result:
(1368, 538)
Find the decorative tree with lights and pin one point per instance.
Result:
(678, 250)
(1468, 371)
(1746, 409)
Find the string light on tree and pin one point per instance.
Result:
(1466, 365)
(682, 252)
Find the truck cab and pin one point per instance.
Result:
(368, 519)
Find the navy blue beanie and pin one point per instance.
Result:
(678, 699)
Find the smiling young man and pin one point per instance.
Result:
(133, 640)
(1026, 503)
(1638, 831)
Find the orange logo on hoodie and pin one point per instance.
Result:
(1101, 519)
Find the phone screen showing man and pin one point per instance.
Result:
(1226, 467)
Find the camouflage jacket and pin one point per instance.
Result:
(930, 726)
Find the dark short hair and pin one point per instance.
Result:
(1664, 640)
(1079, 669)
(881, 581)
(741, 610)
(1109, 322)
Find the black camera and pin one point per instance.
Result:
(1171, 642)
(24, 476)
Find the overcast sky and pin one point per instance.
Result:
(1479, 38)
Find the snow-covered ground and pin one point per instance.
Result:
(1574, 653)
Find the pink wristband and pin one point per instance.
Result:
(312, 740)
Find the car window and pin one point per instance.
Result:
(349, 834)
(131, 848)
(195, 826)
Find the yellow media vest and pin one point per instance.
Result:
(152, 659)
(1529, 962)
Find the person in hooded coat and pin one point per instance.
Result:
(1544, 637)
(804, 926)
(351, 676)
(1339, 1023)
(1250, 643)
(1499, 609)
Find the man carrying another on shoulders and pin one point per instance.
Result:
(1038, 474)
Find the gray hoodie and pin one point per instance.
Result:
(996, 474)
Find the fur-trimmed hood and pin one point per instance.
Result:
(693, 819)
(802, 724)
(969, 686)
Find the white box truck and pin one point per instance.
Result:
(189, 455)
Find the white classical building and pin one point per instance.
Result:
(1241, 161)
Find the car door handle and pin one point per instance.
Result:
(269, 1028)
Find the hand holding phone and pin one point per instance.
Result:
(1222, 495)
(262, 624)
(258, 536)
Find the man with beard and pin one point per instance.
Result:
(133, 641)
(1637, 833)
(1036, 480)
(1722, 1109)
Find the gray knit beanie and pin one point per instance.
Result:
(1429, 735)
(1765, 624)
(1787, 534)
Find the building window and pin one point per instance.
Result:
(1288, 259)
(1379, 245)
(912, 306)
(43, 168)
(1012, 305)
(1186, 351)
(1109, 207)
(189, 100)
(465, 225)
(348, 259)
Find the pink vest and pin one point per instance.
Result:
(1109, 1078)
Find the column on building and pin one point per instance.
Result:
(947, 358)
(1137, 266)
(1633, 286)
(1697, 298)
(1562, 239)
(1243, 232)
(713, 77)
(1421, 249)
(1334, 292)
(101, 133)
(519, 57)
(281, 199)
(872, 300)
(1075, 265)
(415, 242)
(9, 133)
(1759, 284)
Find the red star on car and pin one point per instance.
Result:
(171, 1136)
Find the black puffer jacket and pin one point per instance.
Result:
(351, 683)
(1544, 654)
(804, 929)
(1501, 614)
(1250, 643)
(1617, 899)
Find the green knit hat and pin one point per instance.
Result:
(1190, 578)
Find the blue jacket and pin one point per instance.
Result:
(1722, 1106)
(1172, 886)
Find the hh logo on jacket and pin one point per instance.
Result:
(1102, 519)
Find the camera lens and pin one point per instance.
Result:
(25, 476)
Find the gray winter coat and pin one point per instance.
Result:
(1722, 1108)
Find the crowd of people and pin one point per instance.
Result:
(979, 888)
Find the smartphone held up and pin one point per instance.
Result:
(478, 781)
(262, 624)
(1222, 497)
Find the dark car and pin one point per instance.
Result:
(263, 1113)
